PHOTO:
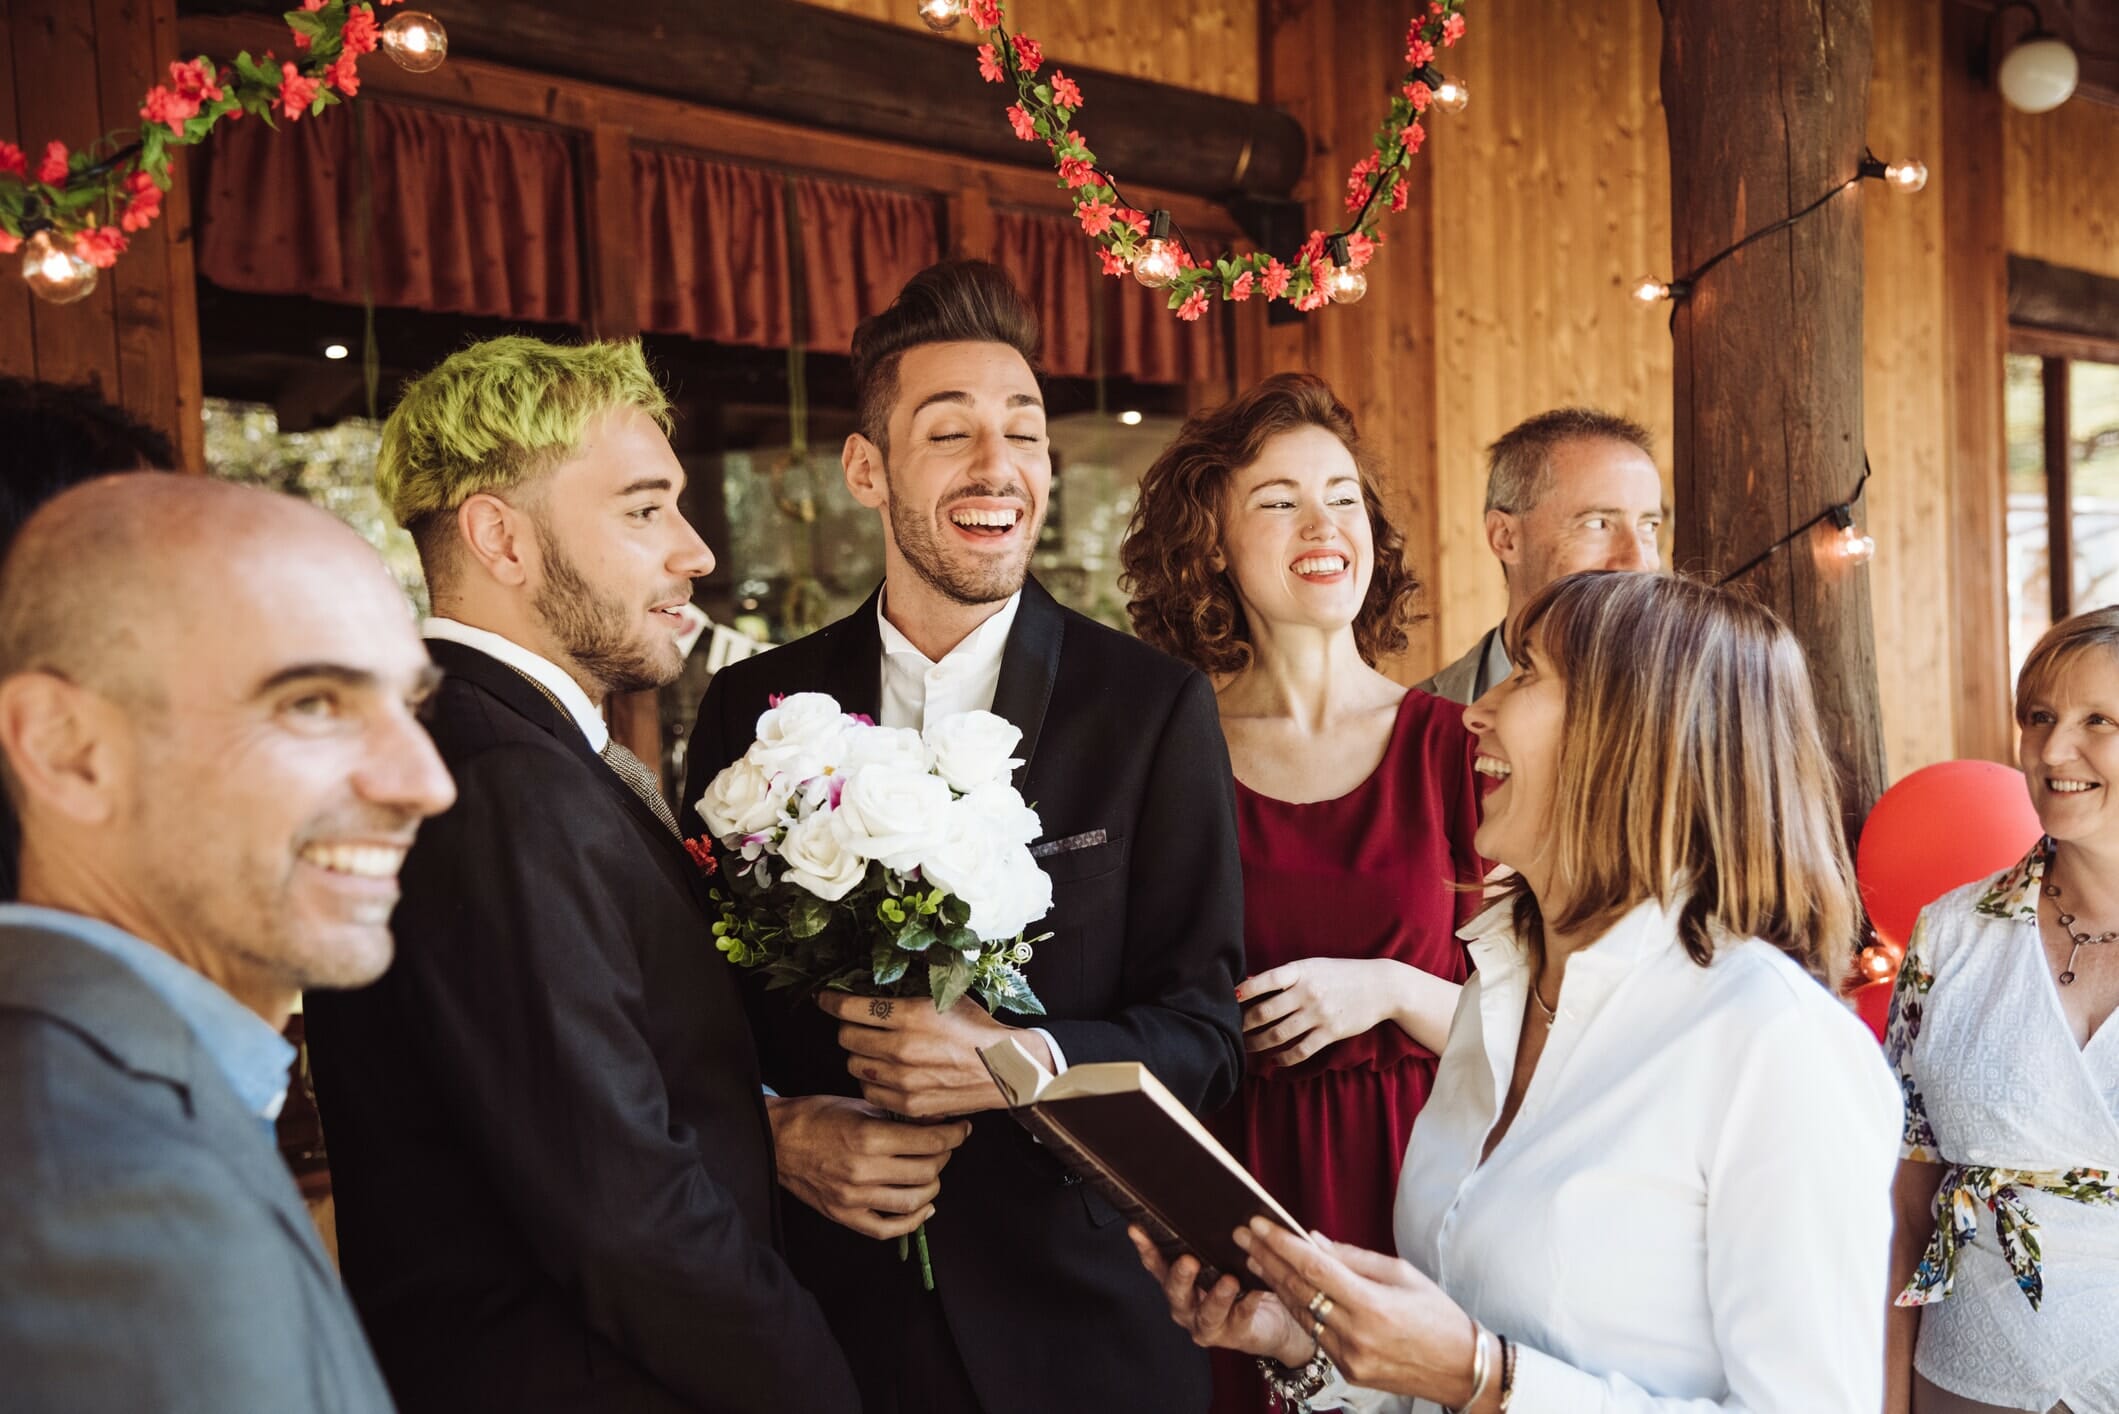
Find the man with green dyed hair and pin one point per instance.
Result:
(549, 1149)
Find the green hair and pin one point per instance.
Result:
(492, 416)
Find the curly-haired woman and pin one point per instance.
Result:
(1260, 553)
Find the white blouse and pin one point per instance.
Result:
(1997, 1088)
(1691, 1210)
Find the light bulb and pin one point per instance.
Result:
(1650, 290)
(336, 351)
(56, 274)
(1877, 963)
(942, 15)
(1157, 264)
(1451, 95)
(1907, 176)
(1130, 418)
(2039, 74)
(1346, 286)
(416, 41)
(1855, 547)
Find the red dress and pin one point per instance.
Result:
(1369, 874)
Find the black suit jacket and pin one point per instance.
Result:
(1125, 762)
(551, 1160)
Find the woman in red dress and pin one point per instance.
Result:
(1260, 553)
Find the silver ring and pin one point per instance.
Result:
(1320, 1307)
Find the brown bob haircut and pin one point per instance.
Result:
(951, 302)
(1690, 759)
(2059, 649)
(1181, 603)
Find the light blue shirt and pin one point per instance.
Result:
(252, 1056)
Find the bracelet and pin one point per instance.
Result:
(1291, 1389)
(1508, 1372)
(1482, 1367)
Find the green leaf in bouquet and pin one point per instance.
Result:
(891, 911)
(916, 939)
(948, 981)
(807, 915)
(890, 965)
(962, 939)
(955, 912)
(1005, 989)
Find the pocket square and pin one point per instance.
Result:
(1087, 840)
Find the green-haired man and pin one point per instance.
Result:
(552, 1164)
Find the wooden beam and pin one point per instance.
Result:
(1975, 338)
(863, 76)
(2059, 494)
(1767, 103)
(2053, 297)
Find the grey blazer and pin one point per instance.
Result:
(154, 1254)
(1460, 681)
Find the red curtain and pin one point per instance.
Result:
(1056, 266)
(472, 216)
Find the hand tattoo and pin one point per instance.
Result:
(880, 1008)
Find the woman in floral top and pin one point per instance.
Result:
(2006, 1261)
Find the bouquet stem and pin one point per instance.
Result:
(918, 1238)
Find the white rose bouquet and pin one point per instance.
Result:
(878, 860)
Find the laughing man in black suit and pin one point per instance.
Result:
(1039, 1302)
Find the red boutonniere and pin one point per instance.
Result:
(702, 852)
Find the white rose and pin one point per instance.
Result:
(1014, 896)
(1001, 810)
(972, 748)
(816, 858)
(880, 746)
(963, 853)
(890, 812)
(802, 737)
(740, 801)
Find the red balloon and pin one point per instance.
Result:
(1942, 826)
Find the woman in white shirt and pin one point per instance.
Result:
(1999, 1031)
(1655, 1171)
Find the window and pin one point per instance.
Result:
(2062, 417)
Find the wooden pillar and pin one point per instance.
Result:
(1975, 331)
(1767, 104)
(72, 70)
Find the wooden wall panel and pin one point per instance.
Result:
(1209, 45)
(2062, 185)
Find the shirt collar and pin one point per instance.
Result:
(981, 649)
(2014, 895)
(249, 1054)
(1494, 668)
(543, 671)
(1649, 927)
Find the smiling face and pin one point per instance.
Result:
(616, 556)
(968, 471)
(1603, 510)
(1296, 533)
(1519, 723)
(2069, 749)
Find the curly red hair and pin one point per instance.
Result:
(1186, 607)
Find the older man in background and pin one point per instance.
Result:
(1568, 490)
(208, 728)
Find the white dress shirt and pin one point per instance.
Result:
(547, 673)
(917, 690)
(1692, 1208)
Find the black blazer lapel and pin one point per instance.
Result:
(1029, 666)
(852, 671)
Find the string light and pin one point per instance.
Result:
(1650, 290)
(1452, 95)
(336, 351)
(1343, 283)
(1129, 418)
(1157, 264)
(1879, 963)
(1904, 176)
(1853, 545)
(54, 273)
(942, 15)
(416, 41)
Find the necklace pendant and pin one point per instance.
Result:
(2067, 976)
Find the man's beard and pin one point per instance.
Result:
(598, 631)
(981, 582)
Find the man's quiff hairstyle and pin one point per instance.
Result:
(953, 302)
(492, 416)
(1519, 463)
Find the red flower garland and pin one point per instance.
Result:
(1045, 110)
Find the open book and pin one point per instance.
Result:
(1117, 1126)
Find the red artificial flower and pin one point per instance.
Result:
(165, 106)
(196, 80)
(701, 849)
(13, 161)
(101, 246)
(1076, 171)
(1134, 221)
(1360, 250)
(986, 14)
(1065, 91)
(1274, 283)
(1419, 95)
(1434, 7)
(9, 244)
(1312, 250)
(301, 41)
(359, 34)
(1452, 30)
(1315, 299)
(1357, 182)
(990, 64)
(296, 92)
(1027, 54)
(1418, 52)
(1114, 263)
(143, 202)
(1400, 195)
(1195, 305)
(343, 75)
(1019, 118)
(1095, 216)
(1241, 290)
(1412, 137)
(52, 170)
